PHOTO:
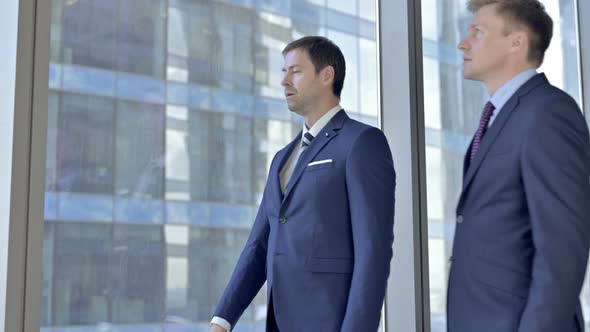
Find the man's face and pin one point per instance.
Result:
(302, 84)
(486, 47)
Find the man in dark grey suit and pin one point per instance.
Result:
(523, 218)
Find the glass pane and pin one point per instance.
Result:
(452, 110)
(367, 10)
(346, 6)
(164, 116)
(84, 146)
(139, 150)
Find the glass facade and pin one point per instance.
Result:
(164, 116)
(452, 110)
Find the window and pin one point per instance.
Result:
(452, 108)
(164, 117)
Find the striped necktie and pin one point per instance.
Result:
(306, 141)
(488, 110)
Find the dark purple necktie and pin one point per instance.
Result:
(488, 110)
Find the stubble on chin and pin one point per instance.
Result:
(291, 108)
(295, 108)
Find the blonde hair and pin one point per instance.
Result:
(530, 14)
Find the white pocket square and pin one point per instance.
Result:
(325, 161)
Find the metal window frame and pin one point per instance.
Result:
(25, 226)
(407, 305)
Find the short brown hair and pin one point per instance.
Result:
(528, 13)
(322, 53)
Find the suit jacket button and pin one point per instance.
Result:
(283, 220)
(459, 219)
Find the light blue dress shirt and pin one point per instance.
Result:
(506, 91)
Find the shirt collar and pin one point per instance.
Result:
(506, 91)
(321, 122)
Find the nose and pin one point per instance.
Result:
(286, 81)
(463, 45)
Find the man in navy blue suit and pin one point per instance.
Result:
(323, 236)
(523, 218)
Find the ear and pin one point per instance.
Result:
(327, 75)
(519, 42)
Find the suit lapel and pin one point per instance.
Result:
(466, 157)
(323, 137)
(275, 174)
(487, 141)
(493, 132)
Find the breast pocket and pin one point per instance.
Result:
(320, 164)
(499, 153)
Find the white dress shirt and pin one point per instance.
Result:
(287, 170)
(286, 173)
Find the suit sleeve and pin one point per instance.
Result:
(370, 180)
(555, 166)
(250, 272)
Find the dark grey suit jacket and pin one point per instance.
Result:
(523, 233)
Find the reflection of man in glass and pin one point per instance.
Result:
(523, 218)
(323, 235)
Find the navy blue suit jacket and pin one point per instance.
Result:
(324, 247)
(523, 231)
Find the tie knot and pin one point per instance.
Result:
(306, 139)
(488, 110)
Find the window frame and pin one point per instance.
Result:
(399, 44)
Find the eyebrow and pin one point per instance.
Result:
(476, 25)
(291, 67)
